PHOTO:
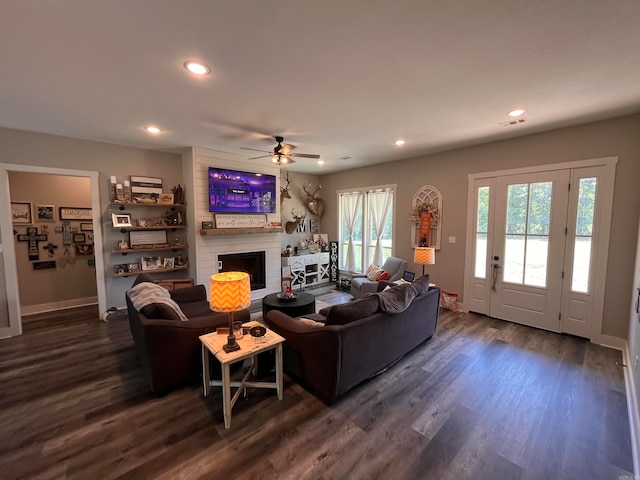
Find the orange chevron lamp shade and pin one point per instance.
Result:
(424, 256)
(230, 291)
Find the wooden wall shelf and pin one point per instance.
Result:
(238, 231)
(152, 272)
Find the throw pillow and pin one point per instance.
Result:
(352, 311)
(384, 276)
(397, 299)
(422, 284)
(374, 272)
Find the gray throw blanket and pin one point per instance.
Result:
(146, 293)
(397, 299)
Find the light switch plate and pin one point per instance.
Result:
(452, 239)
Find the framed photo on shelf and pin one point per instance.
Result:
(79, 238)
(74, 213)
(133, 267)
(150, 263)
(169, 262)
(45, 214)
(86, 227)
(121, 268)
(121, 220)
(21, 213)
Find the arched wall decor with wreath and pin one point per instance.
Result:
(426, 210)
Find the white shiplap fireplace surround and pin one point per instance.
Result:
(204, 249)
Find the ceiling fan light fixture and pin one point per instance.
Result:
(197, 68)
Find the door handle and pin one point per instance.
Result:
(494, 275)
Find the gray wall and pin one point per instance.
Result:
(29, 148)
(74, 281)
(448, 172)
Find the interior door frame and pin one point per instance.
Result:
(600, 265)
(6, 226)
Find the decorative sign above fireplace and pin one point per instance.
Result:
(230, 220)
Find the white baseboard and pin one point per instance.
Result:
(609, 341)
(63, 305)
(632, 407)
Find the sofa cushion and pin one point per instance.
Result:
(352, 311)
(160, 310)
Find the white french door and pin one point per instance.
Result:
(537, 247)
(528, 248)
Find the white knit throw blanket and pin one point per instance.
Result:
(146, 293)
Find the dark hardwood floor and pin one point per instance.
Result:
(483, 399)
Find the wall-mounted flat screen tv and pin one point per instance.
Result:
(241, 192)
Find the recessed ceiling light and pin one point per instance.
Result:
(152, 129)
(197, 68)
(516, 113)
(400, 142)
(320, 162)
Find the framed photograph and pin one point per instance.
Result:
(207, 225)
(73, 213)
(79, 238)
(121, 220)
(84, 249)
(120, 269)
(21, 213)
(45, 213)
(169, 262)
(165, 199)
(86, 227)
(134, 267)
(150, 263)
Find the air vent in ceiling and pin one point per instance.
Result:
(511, 123)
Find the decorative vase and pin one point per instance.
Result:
(425, 228)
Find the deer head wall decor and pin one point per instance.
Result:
(284, 192)
(290, 227)
(314, 204)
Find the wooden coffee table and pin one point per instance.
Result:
(250, 347)
(304, 304)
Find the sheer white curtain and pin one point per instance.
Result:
(350, 209)
(379, 205)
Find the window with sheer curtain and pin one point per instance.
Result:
(366, 226)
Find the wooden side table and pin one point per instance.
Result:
(250, 347)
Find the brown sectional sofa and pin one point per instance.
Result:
(334, 358)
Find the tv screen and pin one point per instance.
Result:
(241, 192)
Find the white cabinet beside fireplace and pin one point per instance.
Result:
(311, 269)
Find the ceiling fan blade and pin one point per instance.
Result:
(254, 149)
(286, 148)
(303, 155)
(261, 156)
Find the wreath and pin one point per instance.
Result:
(429, 207)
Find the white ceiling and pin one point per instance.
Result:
(335, 77)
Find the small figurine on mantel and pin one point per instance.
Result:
(178, 194)
(423, 242)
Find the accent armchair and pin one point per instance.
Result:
(170, 349)
(360, 284)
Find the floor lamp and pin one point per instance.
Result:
(230, 292)
(424, 256)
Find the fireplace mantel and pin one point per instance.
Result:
(238, 231)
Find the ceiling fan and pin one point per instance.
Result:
(281, 153)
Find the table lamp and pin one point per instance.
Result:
(230, 292)
(424, 256)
